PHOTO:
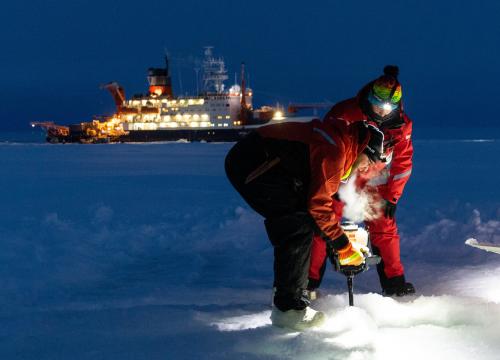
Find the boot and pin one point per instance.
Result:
(397, 286)
(298, 320)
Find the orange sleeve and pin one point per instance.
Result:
(327, 166)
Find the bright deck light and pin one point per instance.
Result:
(278, 115)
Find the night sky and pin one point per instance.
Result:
(55, 54)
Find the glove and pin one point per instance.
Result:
(352, 254)
(389, 209)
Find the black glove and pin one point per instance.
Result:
(389, 209)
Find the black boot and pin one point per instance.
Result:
(397, 286)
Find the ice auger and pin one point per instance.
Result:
(360, 235)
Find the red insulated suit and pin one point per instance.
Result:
(389, 183)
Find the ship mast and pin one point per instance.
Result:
(245, 112)
(243, 88)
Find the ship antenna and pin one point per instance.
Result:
(197, 71)
(180, 78)
(165, 52)
(168, 79)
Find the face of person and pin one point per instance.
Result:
(381, 111)
(362, 163)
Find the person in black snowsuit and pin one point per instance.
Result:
(288, 173)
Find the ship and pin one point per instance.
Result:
(214, 114)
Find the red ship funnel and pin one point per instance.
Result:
(159, 80)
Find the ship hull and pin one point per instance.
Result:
(208, 135)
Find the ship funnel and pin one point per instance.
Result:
(159, 80)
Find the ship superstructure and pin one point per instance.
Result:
(214, 108)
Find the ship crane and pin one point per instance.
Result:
(117, 92)
(58, 130)
(55, 133)
(294, 108)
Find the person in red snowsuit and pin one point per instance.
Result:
(378, 101)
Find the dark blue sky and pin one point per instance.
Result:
(55, 54)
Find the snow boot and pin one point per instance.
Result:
(397, 286)
(298, 320)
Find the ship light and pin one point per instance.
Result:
(201, 101)
(182, 102)
(193, 124)
(190, 102)
(204, 116)
(196, 117)
(278, 115)
(178, 117)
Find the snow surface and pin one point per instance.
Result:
(146, 252)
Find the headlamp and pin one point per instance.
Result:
(383, 104)
(389, 106)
